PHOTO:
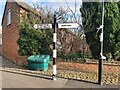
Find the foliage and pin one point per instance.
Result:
(32, 41)
(119, 5)
(112, 23)
(76, 57)
(91, 13)
(73, 55)
(91, 20)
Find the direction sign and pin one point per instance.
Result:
(55, 26)
(42, 26)
(68, 25)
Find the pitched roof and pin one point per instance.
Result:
(22, 5)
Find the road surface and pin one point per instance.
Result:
(17, 80)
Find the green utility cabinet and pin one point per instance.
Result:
(38, 62)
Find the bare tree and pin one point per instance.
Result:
(69, 14)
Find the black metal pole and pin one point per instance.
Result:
(100, 68)
(54, 48)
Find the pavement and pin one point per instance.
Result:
(11, 79)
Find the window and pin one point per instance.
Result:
(9, 17)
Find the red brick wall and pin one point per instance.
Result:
(71, 43)
(10, 34)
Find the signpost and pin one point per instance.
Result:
(68, 25)
(60, 25)
(55, 25)
(42, 26)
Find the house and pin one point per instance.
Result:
(10, 27)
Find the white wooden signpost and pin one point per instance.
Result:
(60, 25)
(55, 25)
(68, 25)
(42, 26)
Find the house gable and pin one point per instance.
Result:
(14, 8)
(22, 5)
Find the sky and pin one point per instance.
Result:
(50, 3)
(2, 4)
